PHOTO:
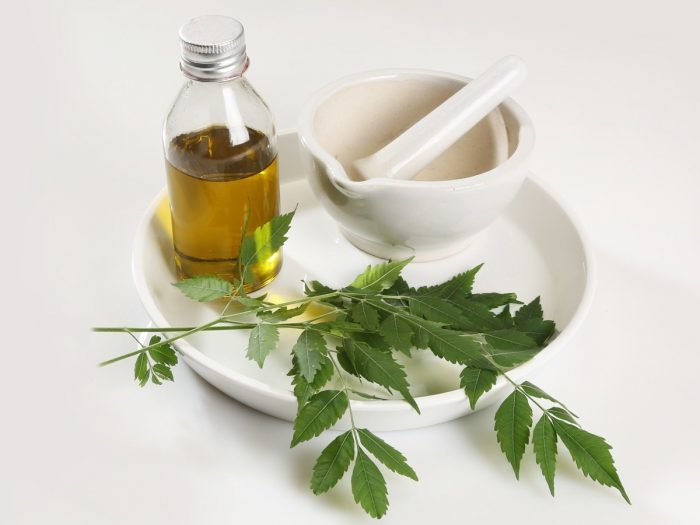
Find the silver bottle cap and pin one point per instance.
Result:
(213, 48)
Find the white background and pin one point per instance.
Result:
(614, 92)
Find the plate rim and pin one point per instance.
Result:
(189, 351)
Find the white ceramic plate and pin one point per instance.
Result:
(535, 248)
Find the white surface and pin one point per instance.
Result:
(613, 91)
(534, 249)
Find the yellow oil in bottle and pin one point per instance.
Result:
(213, 185)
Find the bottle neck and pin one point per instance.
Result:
(201, 69)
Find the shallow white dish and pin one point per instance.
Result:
(535, 248)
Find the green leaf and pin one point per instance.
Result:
(544, 442)
(506, 318)
(591, 454)
(400, 287)
(282, 314)
(458, 286)
(263, 339)
(535, 391)
(250, 302)
(422, 331)
(379, 367)
(436, 309)
(509, 348)
(204, 288)
(333, 463)
(513, 422)
(456, 347)
(563, 414)
(377, 278)
(263, 243)
(322, 411)
(303, 390)
(476, 317)
(538, 330)
(494, 300)
(368, 486)
(339, 328)
(388, 455)
(309, 350)
(141, 372)
(398, 333)
(366, 315)
(162, 371)
(368, 396)
(532, 310)
(476, 382)
(163, 353)
(528, 319)
(314, 288)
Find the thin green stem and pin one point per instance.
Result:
(170, 329)
(347, 393)
(135, 339)
(167, 341)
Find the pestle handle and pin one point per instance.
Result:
(414, 149)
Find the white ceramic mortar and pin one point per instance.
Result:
(437, 213)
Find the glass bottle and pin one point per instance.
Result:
(221, 155)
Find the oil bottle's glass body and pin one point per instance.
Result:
(221, 163)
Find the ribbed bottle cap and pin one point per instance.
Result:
(213, 48)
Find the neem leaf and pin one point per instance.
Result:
(162, 371)
(476, 382)
(436, 309)
(368, 486)
(458, 286)
(377, 278)
(591, 454)
(476, 317)
(162, 353)
(313, 288)
(303, 390)
(397, 332)
(339, 328)
(282, 314)
(538, 330)
(509, 348)
(505, 317)
(141, 372)
(263, 339)
(563, 414)
(456, 347)
(528, 319)
(392, 458)
(368, 396)
(535, 391)
(263, 243)
(513, 422)
(309, 350)
(544, 442)
(204, 288)
(379, 367)
(321, 412)
(366, 315)
(494, 300)
(333, 463)
(400, 287)
(532, 310)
